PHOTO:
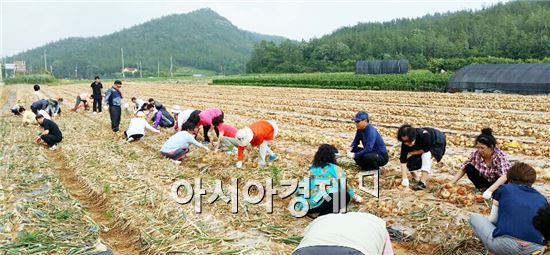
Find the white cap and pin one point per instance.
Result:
(175, 108)
(244, 136)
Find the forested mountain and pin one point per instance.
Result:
(517, 30)
(201, 39)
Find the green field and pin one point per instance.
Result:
(413, 81)
(180, 73)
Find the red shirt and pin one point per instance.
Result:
(263, 131)
(228, 130)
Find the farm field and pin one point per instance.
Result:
(97, 191)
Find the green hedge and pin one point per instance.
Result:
(30, 79)
(412, 81)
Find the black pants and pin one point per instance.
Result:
(166, 124)
(51, 140)
(97, 103)
(370, 161)
(136, 136)
(115, 112)
(414, 162)
(326, 250)
(479, 181)
(206, 129)
(326, 207)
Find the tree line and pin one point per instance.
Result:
(517, 31)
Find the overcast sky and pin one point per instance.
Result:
(26, 24)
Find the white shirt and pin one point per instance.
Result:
(360, 231)
(181, 139)
(139, 103)
(37, 96)
(183, 116)
(45, 114)
(29, 117)
(137, 127)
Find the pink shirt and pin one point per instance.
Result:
(228, 130)
(207, 116)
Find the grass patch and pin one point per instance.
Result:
(30, 79)
(63, 214)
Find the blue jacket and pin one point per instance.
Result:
(113, 97)
(372, 141)
(518, 204)
(40, 104)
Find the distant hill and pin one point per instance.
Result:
(201, 39)
(516, 30)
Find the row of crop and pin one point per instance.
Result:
(413, 82)
(30, 79)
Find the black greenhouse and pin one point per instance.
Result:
(382, 67)
(506, 78)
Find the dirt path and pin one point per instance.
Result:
(122, 239)
(10, 99)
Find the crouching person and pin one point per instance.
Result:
(181, 117)
(226, 136)
(487, 165)
(206, 117)
(51, 134)
(136, 129)
(82, 98)
(418, 146)
(352, 233)
(259, 134)
(39, 105)
(28, 116)
(541, 221)
(54, 106)
(510, 229)
(162, 117)
(15, 109)
(373, 154)
(324, 170)
(177, 146)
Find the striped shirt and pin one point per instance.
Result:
(499, 164)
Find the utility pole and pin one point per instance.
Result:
(140, 75)
(223, 63)
(45, 62)
(2, 66)
(51, 71)
(122, 55)
(171, 67)
(76, 71)
(158, 69)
